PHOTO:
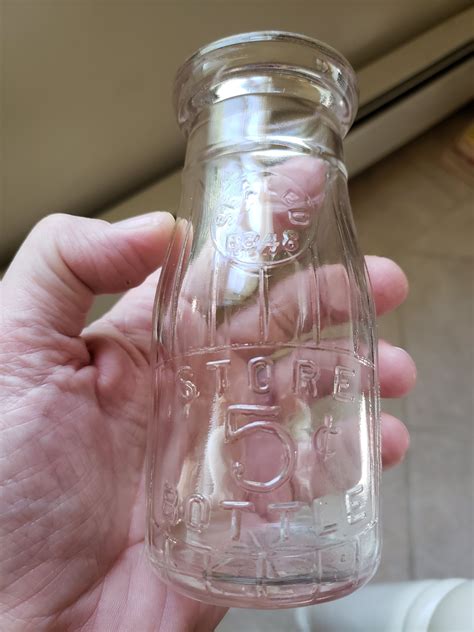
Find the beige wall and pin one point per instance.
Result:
(86, 86)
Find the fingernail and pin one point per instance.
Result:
(141, 221)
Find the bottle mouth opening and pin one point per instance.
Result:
(266, 62)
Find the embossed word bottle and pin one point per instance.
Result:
(263, 455)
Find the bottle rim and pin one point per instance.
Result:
(215, 71)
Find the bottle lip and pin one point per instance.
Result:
(253, 63)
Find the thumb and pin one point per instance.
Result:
(66, 260)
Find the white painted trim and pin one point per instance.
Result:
(404, 62)
(383, 133)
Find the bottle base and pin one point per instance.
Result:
(263, 592)
(236, 593)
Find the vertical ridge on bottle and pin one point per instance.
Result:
(175, 294)
(264, 315)
(356, 311)
(212, 316)
(315, 299)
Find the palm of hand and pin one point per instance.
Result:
(80, 490)
(73, 500)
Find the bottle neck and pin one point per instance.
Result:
(264, 121)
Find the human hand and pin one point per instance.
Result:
(74, 403)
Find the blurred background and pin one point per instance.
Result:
(87, 127)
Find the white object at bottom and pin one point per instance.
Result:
(422, 606)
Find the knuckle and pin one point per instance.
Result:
(54, 223)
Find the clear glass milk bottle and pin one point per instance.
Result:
(263, 455)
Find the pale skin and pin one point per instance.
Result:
(74, 405)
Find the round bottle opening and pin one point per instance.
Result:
(267, 62)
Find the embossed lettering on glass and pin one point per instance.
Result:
(263, 454)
